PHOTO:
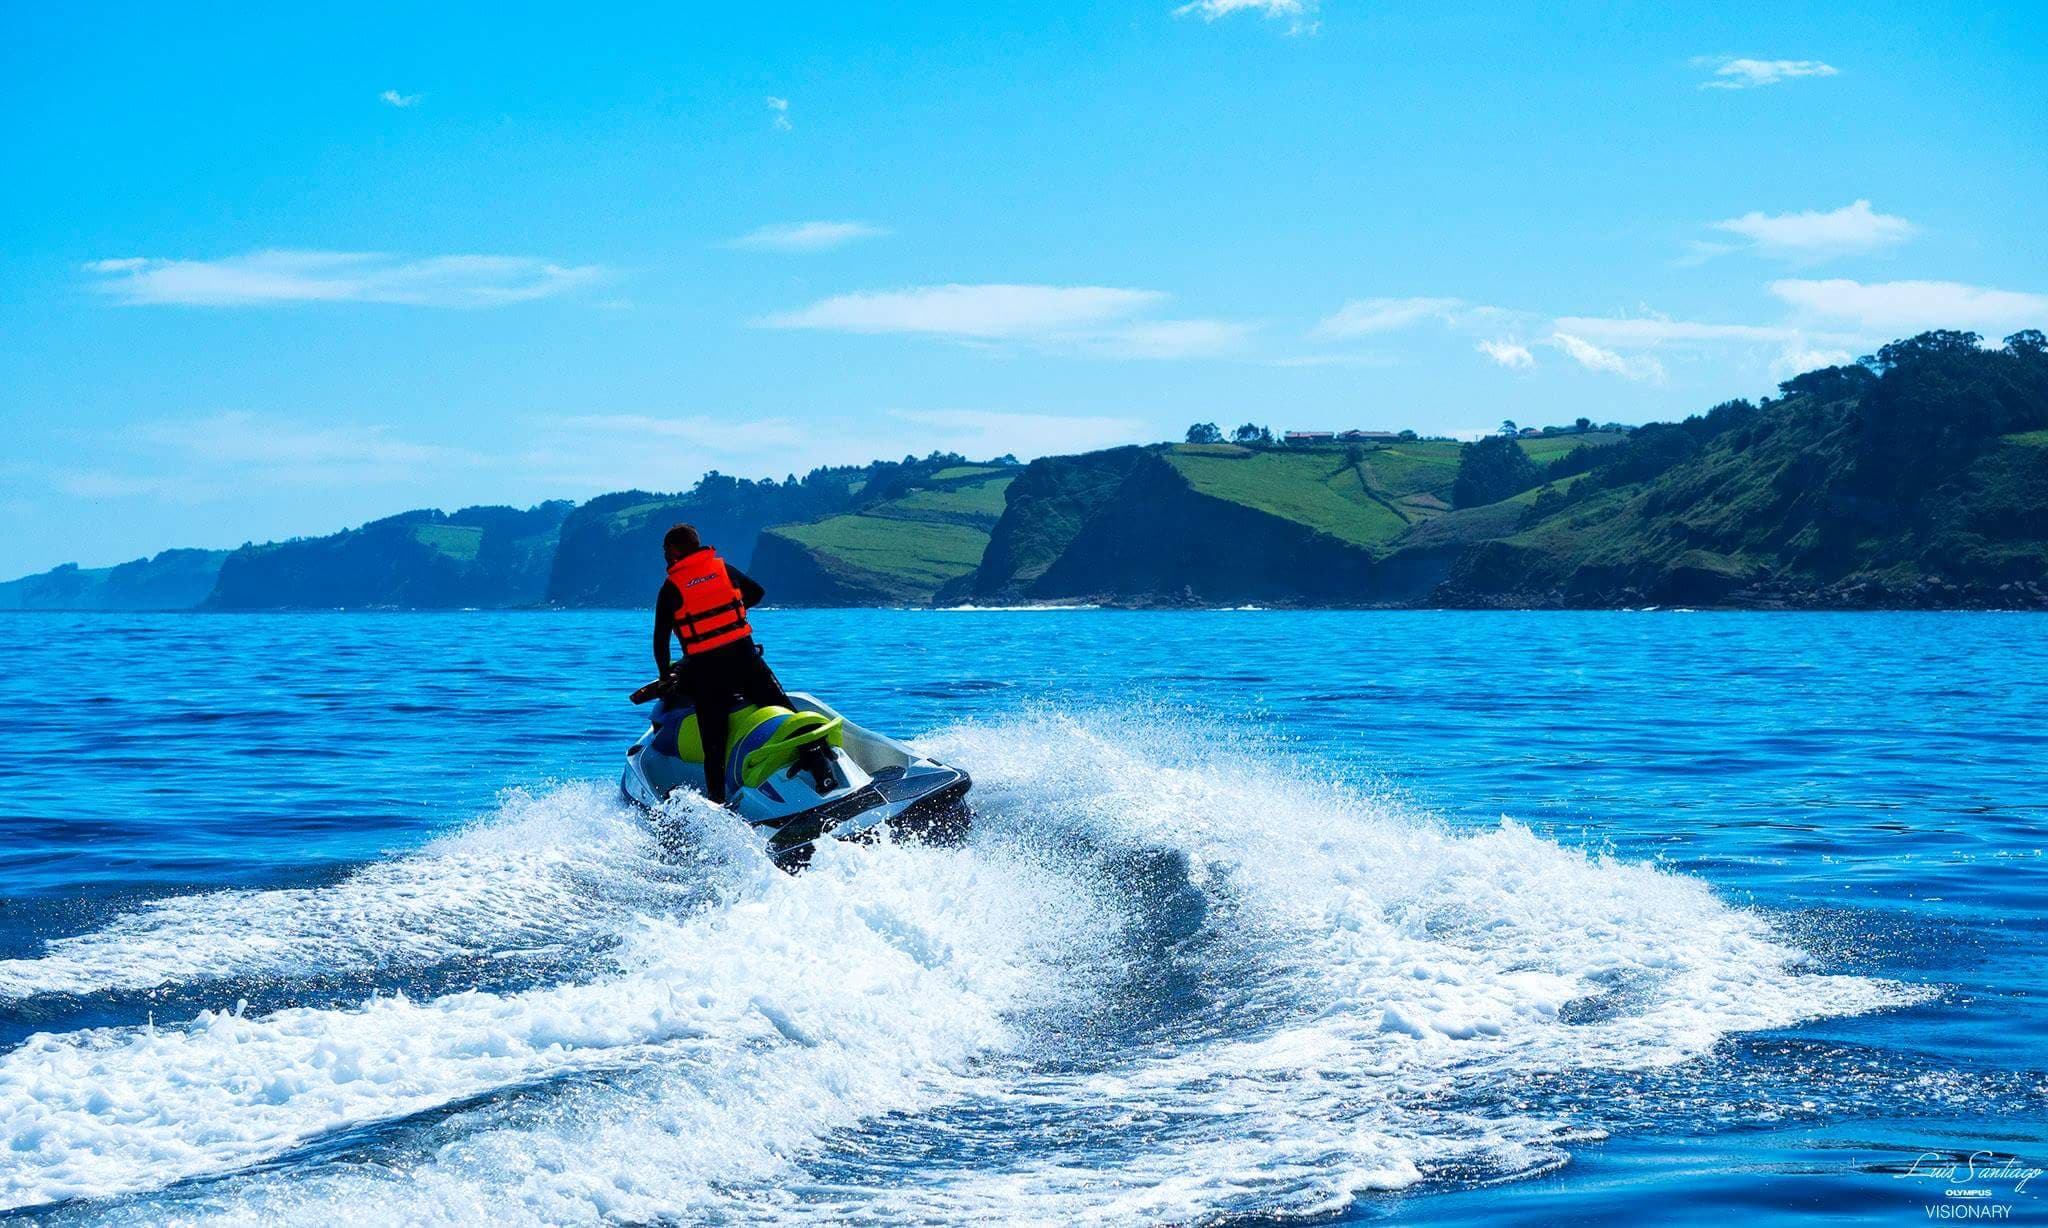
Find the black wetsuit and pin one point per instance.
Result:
(720, 679)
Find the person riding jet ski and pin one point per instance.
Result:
(703, 603)
(793, 769)
(796, 775)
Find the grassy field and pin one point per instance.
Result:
(1406, 485)
(1549, 447)
(1316, 488)
(912, 544)
(1530, 495)
(457, 541)
(626, 517)
(913, 553)
(972, 502)
(1420, 468)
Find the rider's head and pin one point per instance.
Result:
(679, 541)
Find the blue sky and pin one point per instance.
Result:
(272, 272)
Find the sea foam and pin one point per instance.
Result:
(1171, 978)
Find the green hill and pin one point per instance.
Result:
(173, 580)
(1043, 510)
(1318, 488)
(610, 551)
(1914, 481)
(1917, 477)
(480, 557)
(1339, 524)
(918, 530)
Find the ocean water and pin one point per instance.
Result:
(1359, 917)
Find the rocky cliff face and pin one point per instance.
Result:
(1918, 478)
(1158, 541)
(795, 575)
(483, 557)
(923, 531)
(1046, 508)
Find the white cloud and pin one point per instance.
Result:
(1300, 15)
(1102, 321)
(1896, 308)
(1616, 344)
(1698, 253)
(1593, 358)
(1335, 360)
(1508, 354)
(282, 444)
(1175, 339)
(107, 484)
(1381, 315)
(779, 108)
(397, 99)
(1853, 227)
(665, 451)
(585, 454)
(1798, 359)
(1657, 330)
(199, 459)
(987, 312)
(1743, 74)
(806, 236)
(271, 277)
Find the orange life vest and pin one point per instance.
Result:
(712, 614)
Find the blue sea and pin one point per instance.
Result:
(1433, 917)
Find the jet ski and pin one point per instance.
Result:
(796, 775)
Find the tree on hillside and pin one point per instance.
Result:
(1934, 343)
(1939, 402)
(1205, 432)
(1251, 433)
(2027, 341)
(1829, 383)
(1583, 424)
(1491, 470)
(1508, 427)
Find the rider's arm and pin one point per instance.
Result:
(750, 592)
(665, 607)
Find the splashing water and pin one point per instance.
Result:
(1171, 977)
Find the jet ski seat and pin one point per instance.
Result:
(759, 741)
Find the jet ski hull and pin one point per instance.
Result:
(873, 783)
(936, 814)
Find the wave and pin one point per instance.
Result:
(546, 871)
(1174, 976)
(1039, 607)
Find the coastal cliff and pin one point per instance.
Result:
(922, 530)
(172, 580)
(610, 548)
(1917, 477)
(1917, 480)
(480, 557)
